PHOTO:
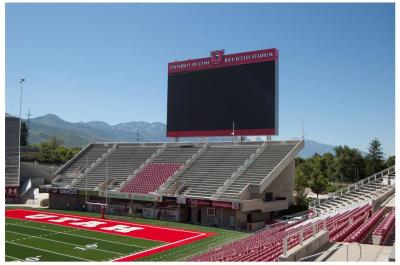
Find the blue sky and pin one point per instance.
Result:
(108, 62)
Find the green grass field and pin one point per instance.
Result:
(33, 241)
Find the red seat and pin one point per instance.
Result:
(151, 177)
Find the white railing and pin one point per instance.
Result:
(73, 159)
(273, 172)
(59, 171)
(330, 250)
(143, 165)
(301, 233)
(93, 165)
(246, 164)
(352, 187)
(105, 184)
(179, 172)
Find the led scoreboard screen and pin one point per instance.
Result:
(223, 95)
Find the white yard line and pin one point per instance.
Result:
(76, 245)
(45, 250)
(83, 228)
(130, 245)
(182, 240)
(122, 222)
(8, 256)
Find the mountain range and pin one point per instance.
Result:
(82, 133)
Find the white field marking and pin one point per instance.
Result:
(76, 245)
(49, 251)
(182, 240)
(11, 257)
(39, 216)
(23, 222)
(90, 224)
(123, 222)
(63, 219)
(98, 239)
(29, 236)
(104, 232)
(36, 258)
(122, 228)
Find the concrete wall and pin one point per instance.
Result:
(283, 185)
(270, 206)
(67, 202)
(377, 203)
(223, 217)
(309, 247)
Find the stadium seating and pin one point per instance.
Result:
(119, 165)
(267, 245)
(213, 168)
(259, 169)
(383, 229)
(365, 190)
(361, 232)
(151, 177)
(174, 153)
(78, 164)
(11, 151)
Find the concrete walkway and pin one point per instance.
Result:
(352, 253)
(390, 202)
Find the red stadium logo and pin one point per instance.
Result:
(217, 57)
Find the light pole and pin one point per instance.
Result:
(21, 82)
(19, 134)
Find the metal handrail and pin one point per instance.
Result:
(179, 172)
(94, 164)
(142, 166)
(355, 186)
(243, 167)
(332, 249)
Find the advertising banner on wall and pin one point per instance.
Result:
(58, 191)
(180, 200)
(169, 214)
(150, 212)
(168, 199)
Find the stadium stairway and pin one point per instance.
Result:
(79, 163)
(266, 162)
(117, 166)
(212, 168)
(157, 171)
(368, 189)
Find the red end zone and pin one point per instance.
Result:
(173, 237)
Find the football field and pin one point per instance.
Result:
(53, 236)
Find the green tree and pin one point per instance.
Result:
(340, 162)
(24, 134)
(349, 163)
(302, 171)
(49, 150)
(374, 158)
(318, 184)
(330, 167)
(391, 161)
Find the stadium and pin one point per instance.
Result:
(202, 200)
